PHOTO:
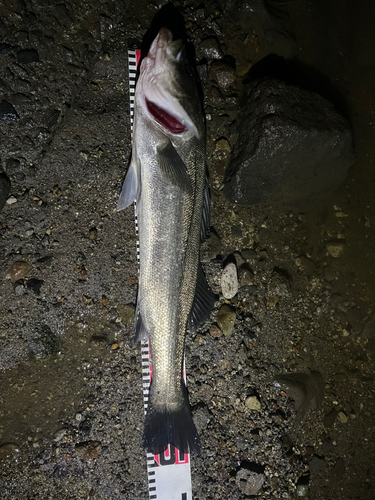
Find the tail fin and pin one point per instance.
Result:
(163, 427)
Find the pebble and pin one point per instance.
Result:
(209, 48)
(223, 145)
(341, 417)
(223, 74)
(9, 450)
(335, 248)
(88, 450)
(249, 482)
(11, 200)
(215, 331)
(253, 403)
(59, 435)
(19, 270)
(19, 288)
(226, 317)
(229, 281)
(245, 275)
(93, 233)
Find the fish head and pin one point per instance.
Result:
(167, 88)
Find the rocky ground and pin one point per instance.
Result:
(281, 377)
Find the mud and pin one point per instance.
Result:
(71, 412)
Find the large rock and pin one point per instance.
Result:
(293, 146)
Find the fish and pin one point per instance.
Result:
(167, 180)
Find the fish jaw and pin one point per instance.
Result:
(158, 92)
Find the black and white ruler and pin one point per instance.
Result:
(169, 476)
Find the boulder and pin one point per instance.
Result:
(293, 146)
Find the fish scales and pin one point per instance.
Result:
(167, 179)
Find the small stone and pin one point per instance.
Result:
(215, 331)
(223, 74)
(341, 417)
(127, 313)
(229, 281)
(88, 450)
(19, 288)
(34, 285)
(249, 482)
(245, 275)
(19, 270)
(209, 48)
(78, 417)
(93, 233)
(59, 435)
(226, 317)
(253, 403)
(223, 145)
(9, 450)
(114, 346)
(11, 200)
(335, 248)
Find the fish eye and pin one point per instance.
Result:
(189, 70)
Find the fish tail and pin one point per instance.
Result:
(164, 426)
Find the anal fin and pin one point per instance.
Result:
(204, 301)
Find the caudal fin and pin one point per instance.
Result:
(163, 427)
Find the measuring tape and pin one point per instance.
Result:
(169, 476)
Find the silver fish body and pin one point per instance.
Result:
(167, 179)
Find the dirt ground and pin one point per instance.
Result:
(71, 406)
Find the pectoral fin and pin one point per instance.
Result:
(172, 166)
(205, 227)
(131, 188)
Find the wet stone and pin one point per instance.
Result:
(27, 56)
(249, 482)
(7, 112)
(19, 270)
(229, 281)
(226, 317)
(58, 436)
(209, 48)
(223, 74)
(4, 189)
